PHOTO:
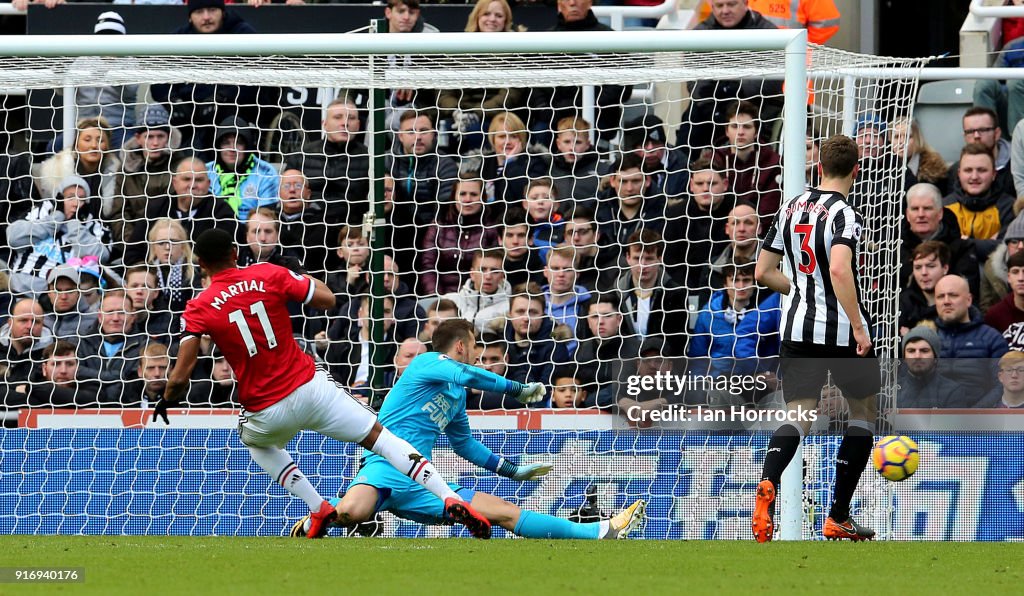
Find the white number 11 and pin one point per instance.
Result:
(260, 311)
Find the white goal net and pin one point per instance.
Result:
(594, 214)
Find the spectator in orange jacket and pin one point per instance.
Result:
(819, 17)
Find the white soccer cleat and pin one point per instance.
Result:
(627, 520)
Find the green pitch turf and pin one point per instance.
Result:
(255, 566)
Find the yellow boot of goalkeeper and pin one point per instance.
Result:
(627, 520)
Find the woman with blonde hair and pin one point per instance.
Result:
(921, 162)
(90, 157)
(169, 253)
(490, 16)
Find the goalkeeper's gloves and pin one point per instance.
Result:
(531, 393)
(160, 410)
(523, 472)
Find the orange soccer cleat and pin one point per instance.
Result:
(460, 512)
(763, 523)
(321, 520)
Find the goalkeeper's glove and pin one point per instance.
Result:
(531, 393)
(523, 472)
(160, 410)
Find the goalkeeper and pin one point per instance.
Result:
(430, 398)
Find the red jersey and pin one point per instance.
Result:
(245, 312)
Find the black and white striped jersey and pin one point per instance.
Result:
(804, 232)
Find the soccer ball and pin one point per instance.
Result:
(896, 458)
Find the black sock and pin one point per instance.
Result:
(781, 448)
(851, 459)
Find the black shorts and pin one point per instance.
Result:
(804, 369)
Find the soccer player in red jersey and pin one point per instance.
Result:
(281, 388)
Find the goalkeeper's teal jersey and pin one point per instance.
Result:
(430, 398)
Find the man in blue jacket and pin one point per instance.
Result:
(969, 346)
(737, 329)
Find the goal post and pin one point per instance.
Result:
(194, 478)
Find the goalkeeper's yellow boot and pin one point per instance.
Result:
(299, 528)
(763, 523)
(627, 520)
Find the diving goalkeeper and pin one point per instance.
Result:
(430, 398)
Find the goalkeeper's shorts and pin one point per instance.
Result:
(398, 494)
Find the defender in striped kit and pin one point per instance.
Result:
(815, 238)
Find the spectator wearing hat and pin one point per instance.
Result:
(238, 175)
(665, 167)
(94, 279)
(871, 134)
(146, 165)
(921, 383)
(994, 284)
(54, 231)
(1010, 309)
(210, 16)
(754, 170)
(89, 157)
(67, 313)
(1009, 393)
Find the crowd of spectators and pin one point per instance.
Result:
(583, 252)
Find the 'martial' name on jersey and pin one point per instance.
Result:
(249, 285)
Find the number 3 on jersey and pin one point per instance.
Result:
(260, 312)
(804, 231)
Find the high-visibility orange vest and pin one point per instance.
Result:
(819, 17)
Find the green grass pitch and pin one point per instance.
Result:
(254, 566)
